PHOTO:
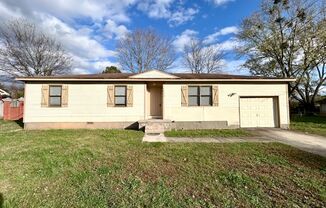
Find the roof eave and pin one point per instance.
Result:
(25, 79)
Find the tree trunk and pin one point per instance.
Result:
(309, 108)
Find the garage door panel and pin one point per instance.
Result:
(257, 112)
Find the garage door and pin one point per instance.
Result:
(258, 112)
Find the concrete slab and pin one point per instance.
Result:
(219, 140)
(162, 138)
(307, 142)
(154, 138)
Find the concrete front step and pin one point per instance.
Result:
(155, 126)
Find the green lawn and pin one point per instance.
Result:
(208, 133)
(113, 168)
(309, 124)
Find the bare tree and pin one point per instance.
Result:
(144, 50)
(287, 38)
(199, 58)
(25, 50)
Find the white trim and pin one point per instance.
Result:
(2, 92)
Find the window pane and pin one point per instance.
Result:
(193, 90)
(55, 91)
(55, 101)
(205, 100)
(120, 100)
(205, 90)
(120, 91)
(193, 101)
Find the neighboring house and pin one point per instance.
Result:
(3, 94)
(179, 100)
(322, 107)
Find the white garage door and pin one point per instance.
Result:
(258, 112)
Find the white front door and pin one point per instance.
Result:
(258, 112)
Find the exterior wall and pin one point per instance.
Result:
(81, 125)
(86, 103)
(228, 108)
(87, 106)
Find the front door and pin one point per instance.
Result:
(155, 101)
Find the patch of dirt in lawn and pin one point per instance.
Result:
(5, 186)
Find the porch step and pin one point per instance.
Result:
(155, 126)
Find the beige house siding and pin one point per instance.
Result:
(86, 103)
(228, 108)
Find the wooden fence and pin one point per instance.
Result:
(13, 109)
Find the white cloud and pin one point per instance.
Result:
(229, 44)
(89, 56)
(181, 16)
(156, 8)
(221, 2)
(111, 29)
(6, 13)
(86, 66)
(228, 30)
(82, 25)
(234, 67)
(79, 40)
(73, 40)
(69, 9)
(183, 39)
(167, 9)
(224, 31)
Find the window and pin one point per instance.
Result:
(205, 96)
(120, 96)
(193, 96)
(200, 95)
(55, 96)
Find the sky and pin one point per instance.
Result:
(90, 29)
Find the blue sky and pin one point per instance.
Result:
(89, 29)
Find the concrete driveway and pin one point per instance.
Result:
(307, 142)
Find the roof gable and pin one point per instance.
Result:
(153, 74)
(2, 92)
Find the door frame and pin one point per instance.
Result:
(148, 100)
(276, 107)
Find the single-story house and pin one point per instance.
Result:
(322, 108)
(179, 100)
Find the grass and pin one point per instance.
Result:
(113, 168)
(309, 124)
(210, 133)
